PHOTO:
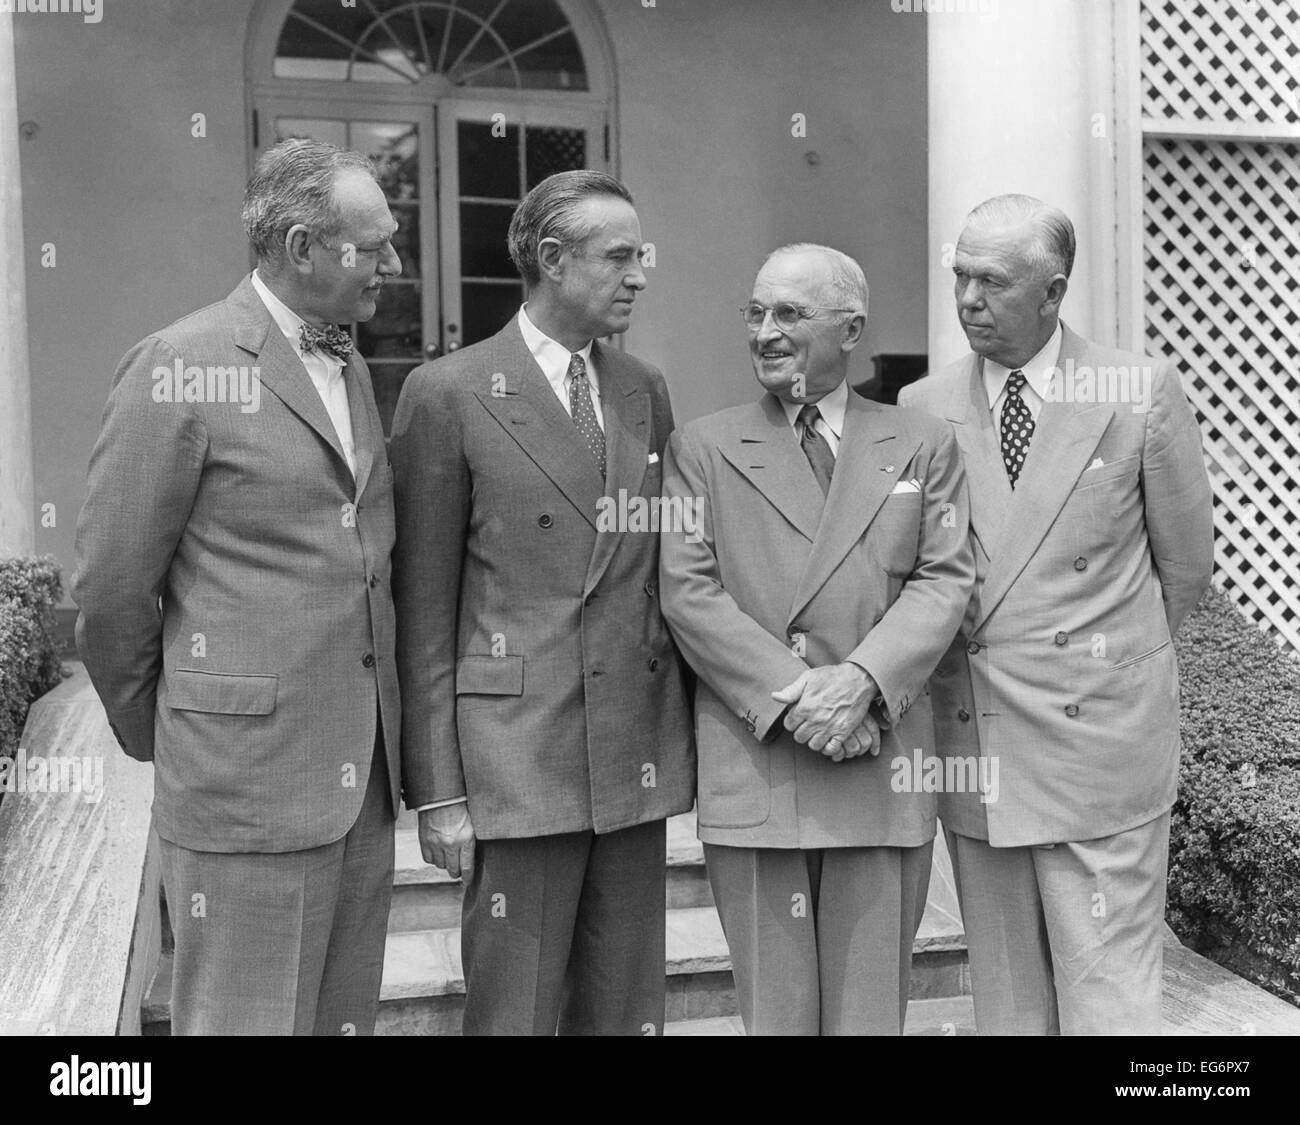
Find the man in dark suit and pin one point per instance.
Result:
(826, 577)
(547, 736)
(236, 620)
(1091, 523)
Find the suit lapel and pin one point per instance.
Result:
(626, 413)
(1065, 437)
(280, 369)
(990, 491)
(518, 396)
(868, 465)
(361, 410)
(766, 452)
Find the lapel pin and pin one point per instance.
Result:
(887, 469)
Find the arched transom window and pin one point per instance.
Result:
(516, 44)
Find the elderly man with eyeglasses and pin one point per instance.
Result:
(829, 572)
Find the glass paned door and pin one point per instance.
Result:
(453, 175)
(488, 163)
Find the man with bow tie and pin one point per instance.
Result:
(236, 616)
(1091, 523)
(830, 573)
(546, 735)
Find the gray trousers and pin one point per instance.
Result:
(820, 939)
(287, 943)
(1067, 938)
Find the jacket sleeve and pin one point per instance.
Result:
(1177, 498)
(905, 645)
(730, 651)
(144, 474)
(432, 487)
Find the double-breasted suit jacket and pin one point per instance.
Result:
(538, 674)
(1064, 669)
(779, 580)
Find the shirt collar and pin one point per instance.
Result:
(1038, 371)
(289, 322)
(552, 356)
(831, 407)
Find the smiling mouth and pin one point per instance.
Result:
(773, 355)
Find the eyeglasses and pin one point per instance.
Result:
(784, 315)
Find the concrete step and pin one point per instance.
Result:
(947, 1015)
(427, 898)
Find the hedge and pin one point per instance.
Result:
(29, 662)
(1234, 858)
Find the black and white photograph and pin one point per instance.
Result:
(651, 518)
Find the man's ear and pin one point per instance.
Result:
(854, 328)
(550, 253)
(1056, 288)
(297, 249)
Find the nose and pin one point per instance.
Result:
(969, 295)
(635, 278)
(768, 331)
(390, 265)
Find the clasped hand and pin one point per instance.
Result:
(447, 839)
(828, 711)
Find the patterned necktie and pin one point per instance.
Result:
(815, 448)
(1017, 427)
(584, 414)
(330, 339)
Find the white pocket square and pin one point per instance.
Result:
(654, 459)
(912, 485)
(1097, 463)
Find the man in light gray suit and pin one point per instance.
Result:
(827, 572)
(236, 618)
(1091, 521)
(547, 736)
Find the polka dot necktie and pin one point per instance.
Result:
(584, 414)
(1017, 427)
(815, 448)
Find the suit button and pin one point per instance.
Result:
(973, 648)
(1072, 709)
(1061, 638)
(374, 581)
(964, 715)
(545, 520)
(1080, 563)
(650, 589)
(654, 664)
(368, 661)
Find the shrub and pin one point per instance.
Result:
(1234, 858)
(29, 662)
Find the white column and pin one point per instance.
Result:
(17, 527)
(1021, 100)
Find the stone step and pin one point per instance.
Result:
(946, 1015)
(427, 898)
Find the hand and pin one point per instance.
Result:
(827, 702)
(865, 739)
(447, 839)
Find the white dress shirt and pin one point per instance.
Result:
(326, 370)
(830, 424)
(1038, 378)
(554, 358)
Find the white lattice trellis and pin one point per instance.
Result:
(1222, 271)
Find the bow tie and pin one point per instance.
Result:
(330, 339)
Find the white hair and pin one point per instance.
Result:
(846, 280)
(1052, 250)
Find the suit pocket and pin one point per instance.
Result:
(490, 675)
(1140, 657)
(221, 693)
